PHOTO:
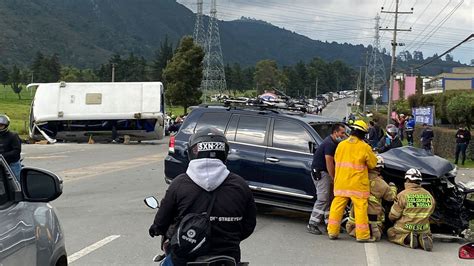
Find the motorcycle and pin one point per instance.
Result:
(218, 260)
(454, 201)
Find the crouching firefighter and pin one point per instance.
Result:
(208, 210)
(379, 190)
(411, 213)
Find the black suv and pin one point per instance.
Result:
(271, 149)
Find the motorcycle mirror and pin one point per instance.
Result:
(467, 251)
(151, 202)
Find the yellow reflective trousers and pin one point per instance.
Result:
(361, 219)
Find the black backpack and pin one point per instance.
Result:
(193, 234)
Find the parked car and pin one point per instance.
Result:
(30, 232)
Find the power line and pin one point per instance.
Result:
(448, 51)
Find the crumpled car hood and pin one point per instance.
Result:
(404, 158)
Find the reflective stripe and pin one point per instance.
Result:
(352, 193)
(374, 199)
(362, 226)
(417, 215)
(375, 222)
(333, 222)
(395, 212)
(351, 165)
(393, 189)
(352, 219)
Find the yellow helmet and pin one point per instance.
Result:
(360, 125)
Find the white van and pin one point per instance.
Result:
(77, 111)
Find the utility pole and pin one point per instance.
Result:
(113, 72)
(199, 34)
(359, 81)
(365, 80)
(394, 50)
(214, 72)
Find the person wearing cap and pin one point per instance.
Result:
(411, 213)
(390, 140)
(10, 146)
(353, 159)
(233, 215)
(379, 190)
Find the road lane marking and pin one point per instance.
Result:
(81, 253)
(110, 167)
(372, 254)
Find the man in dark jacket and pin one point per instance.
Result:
(426, 137)
(10, 146)
(463, 136)
(233, 216)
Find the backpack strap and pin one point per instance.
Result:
(211, 204)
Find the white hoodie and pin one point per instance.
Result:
(207, 173)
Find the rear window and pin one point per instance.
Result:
(324, 130)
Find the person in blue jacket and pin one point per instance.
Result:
(410, 129)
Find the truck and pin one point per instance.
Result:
(79, 111)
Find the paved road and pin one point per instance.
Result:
(106, 222)
(338, 109)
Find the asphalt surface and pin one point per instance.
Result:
(106, 222)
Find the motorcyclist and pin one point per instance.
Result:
(411, 213)
(379, 190)
(233, 216)
(391, 139)
(10, 146)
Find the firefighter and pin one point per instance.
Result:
(353, 158)
(379, 190)
(411, 213)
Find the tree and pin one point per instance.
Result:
(418, 56)
(54, 68)
(449, 58)
(161, 59)
(267, 75)
(237, 78)
(15, 77)
(228, 78)
(3, 75)
(183, 74)
(369, 98)
(460, 109)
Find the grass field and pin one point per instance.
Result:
(17, 110)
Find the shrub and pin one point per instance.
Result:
(460, 109)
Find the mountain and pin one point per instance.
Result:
(85, 33)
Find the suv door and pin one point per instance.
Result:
(288, 160)
(247, 136)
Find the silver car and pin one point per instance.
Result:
(30, 233)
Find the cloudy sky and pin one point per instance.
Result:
(437, 25)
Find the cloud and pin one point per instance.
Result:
(353, 21)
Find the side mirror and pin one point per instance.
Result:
(467, 251)
(151, 202)
(40, 185)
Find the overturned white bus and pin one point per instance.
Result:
(77, 111)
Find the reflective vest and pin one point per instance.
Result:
(353, 158)
(412, 209)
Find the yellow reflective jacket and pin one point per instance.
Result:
(379, 189)
(353, 158)
(412, 209)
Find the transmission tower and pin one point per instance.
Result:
(214, 74)
(376, 68)
(199, 33)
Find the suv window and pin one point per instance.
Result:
(216, 120)
(290, 136)
(251, 130)
(3, 186)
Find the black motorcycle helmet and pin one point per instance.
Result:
(4, 120)
(208, 142)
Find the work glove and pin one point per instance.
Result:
(153, 231)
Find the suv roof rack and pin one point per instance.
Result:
(265, 105)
